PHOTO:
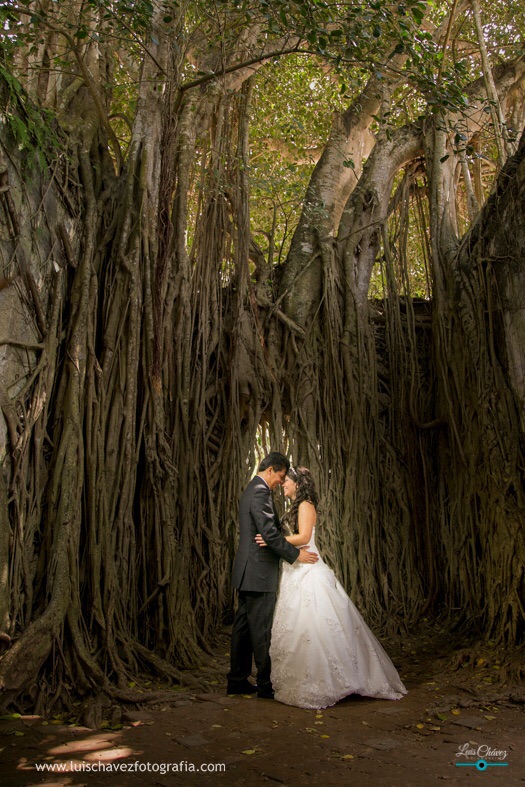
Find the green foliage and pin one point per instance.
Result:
(34, 129)
(122, 17)
(96, 20)
(293, 100)
(353, 32)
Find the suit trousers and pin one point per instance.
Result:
(251, 633)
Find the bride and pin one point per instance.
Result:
(321, 649)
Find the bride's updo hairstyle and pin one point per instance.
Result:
(305, 490)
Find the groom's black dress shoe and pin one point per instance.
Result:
(243, 688)
(265, 695)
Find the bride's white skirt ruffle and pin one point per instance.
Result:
(321, 648)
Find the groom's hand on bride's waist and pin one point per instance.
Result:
(307, 557)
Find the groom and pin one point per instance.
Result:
(255, 575)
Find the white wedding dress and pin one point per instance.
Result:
(321, 648)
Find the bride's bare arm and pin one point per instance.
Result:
(306, 517)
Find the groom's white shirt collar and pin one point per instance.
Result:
(262, 479)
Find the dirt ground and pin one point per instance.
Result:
(460, 725)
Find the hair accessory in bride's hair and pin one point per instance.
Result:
(292, 473)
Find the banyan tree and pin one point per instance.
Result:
(239, 223)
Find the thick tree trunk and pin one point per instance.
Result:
(476, 328)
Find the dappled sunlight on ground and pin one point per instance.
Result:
(110, 755)
(71, 756)
(96, 745)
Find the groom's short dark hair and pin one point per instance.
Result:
(275, 460)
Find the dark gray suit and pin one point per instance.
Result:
(255, 575)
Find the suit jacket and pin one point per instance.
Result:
(257, 568)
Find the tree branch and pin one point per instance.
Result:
(245, 64)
